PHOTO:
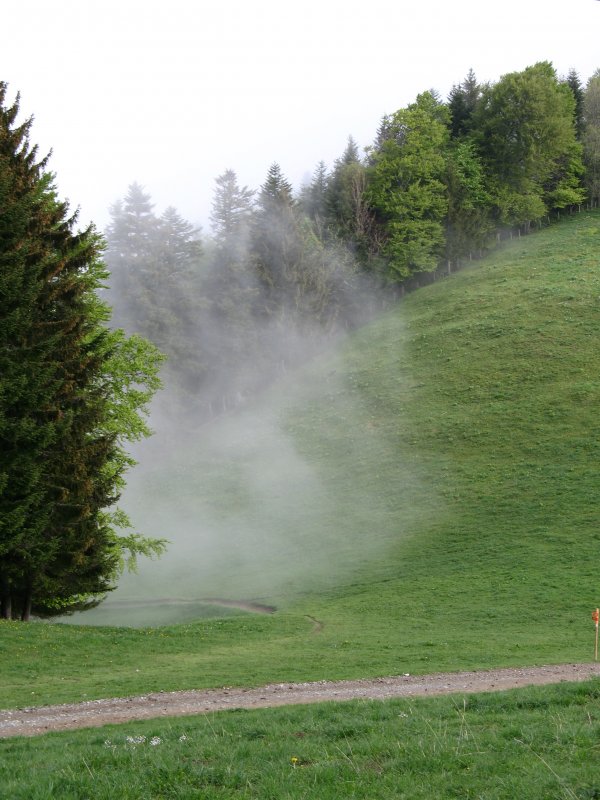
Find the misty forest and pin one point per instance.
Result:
(284, 271)
(91, 325)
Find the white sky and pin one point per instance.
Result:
(171, 94)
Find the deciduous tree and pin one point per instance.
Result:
(591, 137)
(527, 139)
(406, 186)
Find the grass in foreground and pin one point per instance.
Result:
(433, 490)
(531, 744)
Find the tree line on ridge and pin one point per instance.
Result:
(283, 271)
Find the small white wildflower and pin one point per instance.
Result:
(108, 743)
(155, 740)
(135, 739)
(183, 738)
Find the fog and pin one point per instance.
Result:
(266, 482)
(258, 507)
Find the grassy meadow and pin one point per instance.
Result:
(531, 744)
(423, 498)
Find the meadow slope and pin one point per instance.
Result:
(422, 499)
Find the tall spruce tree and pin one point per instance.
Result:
(71, 393)
(230, 214)
(293, 278)
(228, 336)
(153, 288)
(574, 83)
(275, 247)
(313, 199)
(344, 189)
(462, 102)
(132, 238)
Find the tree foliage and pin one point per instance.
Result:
(468, 224)
(313, 199)
(71, 395)
(226, 333)
(153, 263)
(527, 139)
(573, 81)
(442, 181)
(406, 186)
(591, 137)
(462, 104)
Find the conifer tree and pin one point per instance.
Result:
(313, 199)
(228, 336)
(341, 195)
(468, 221)
(132, 238)
(276, 248)
(462, 102)
(574, 83)
(154, 283)
(230, 213)
(294, 275)
(71, 393)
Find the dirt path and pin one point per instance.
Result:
(94, 713)
(242, 605)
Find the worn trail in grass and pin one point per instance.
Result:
(95, 713)
(531, 744)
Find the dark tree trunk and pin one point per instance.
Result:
(6, 607)
(26, 610)
(5, 599)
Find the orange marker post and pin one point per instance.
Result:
(596, 618)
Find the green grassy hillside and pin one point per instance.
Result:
(532, 744)
(423, 499)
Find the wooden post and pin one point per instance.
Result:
(596, 617)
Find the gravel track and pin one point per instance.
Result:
(94, 713)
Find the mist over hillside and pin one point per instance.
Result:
(439, 438)
(283, 280)
(276, 500)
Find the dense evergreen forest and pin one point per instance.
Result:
(282, 271)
